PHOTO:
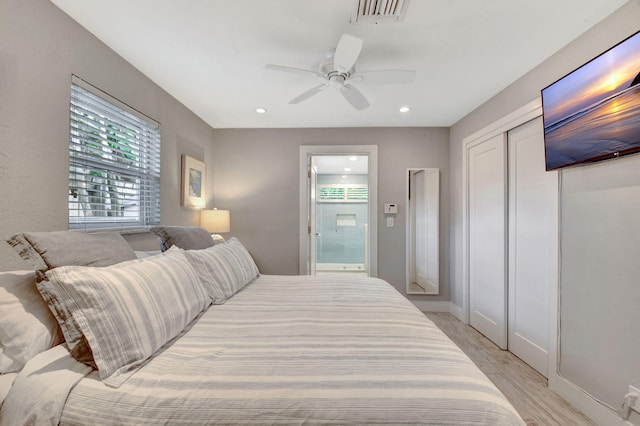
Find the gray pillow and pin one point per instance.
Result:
(185, 237)
(50, 250)
(11, 260)
(66, 248)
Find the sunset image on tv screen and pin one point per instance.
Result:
(593, 113)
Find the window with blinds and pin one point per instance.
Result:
(114, 162)
(354, 193)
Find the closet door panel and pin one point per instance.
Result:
(487, 239)
(533, 242)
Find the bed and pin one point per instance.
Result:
(264, 350)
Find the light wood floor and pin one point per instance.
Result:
(524, 387)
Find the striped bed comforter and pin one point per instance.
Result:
(302, 350)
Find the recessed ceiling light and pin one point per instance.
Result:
(405, 109)
(354, 158)
(347, 169)
(261, 110)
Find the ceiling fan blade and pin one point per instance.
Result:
(347, 52)
(293, 70)
(354, 97)
(386, 76)
(309, 93)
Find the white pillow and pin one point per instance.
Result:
(27, 327)
(224, 268)
(127, 311)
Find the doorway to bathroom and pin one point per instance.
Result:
(338, 189)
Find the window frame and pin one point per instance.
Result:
(114, 162)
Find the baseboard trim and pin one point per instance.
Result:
(572, 393)
(439, 306)
(431, 306)
(584, 402)
(457, 312)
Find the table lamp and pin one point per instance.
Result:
(216, 222)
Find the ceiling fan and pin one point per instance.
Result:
(338, 70)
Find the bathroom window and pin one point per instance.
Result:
(357, 194)
(114, 162)
(331, 193)
(338, 193)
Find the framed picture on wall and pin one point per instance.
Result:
(193, 183)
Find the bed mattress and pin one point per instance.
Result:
(301, 350)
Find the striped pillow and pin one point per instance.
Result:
(129, 310)
(224, 268)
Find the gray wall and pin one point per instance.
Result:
(40, 47)
(599, 285)
(255, 176)
(600, 277)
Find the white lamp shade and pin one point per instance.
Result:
(215, 221)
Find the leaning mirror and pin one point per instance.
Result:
(423, 204)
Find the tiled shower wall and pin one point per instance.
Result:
(341, 241)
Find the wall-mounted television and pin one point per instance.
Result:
(593, 113)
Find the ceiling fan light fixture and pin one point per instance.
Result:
(339, 73)
(404, 109)
(336, 80)
(261, 110)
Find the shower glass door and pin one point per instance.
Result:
(338, 212)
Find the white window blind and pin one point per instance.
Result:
(114, 162)
(328, 193)
(349, 193)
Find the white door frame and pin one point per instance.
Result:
(371, 151)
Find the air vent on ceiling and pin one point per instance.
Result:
(378, 11)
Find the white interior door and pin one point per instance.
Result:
(487, 184)
(533, 242)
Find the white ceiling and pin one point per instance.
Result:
(338, 164)
(210, 54)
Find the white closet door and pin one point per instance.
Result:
(533, 242)
(487, 183)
